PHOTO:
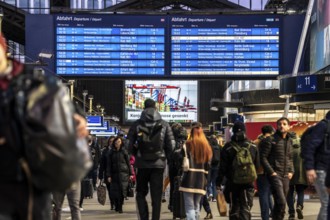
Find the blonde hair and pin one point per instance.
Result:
(198, 146)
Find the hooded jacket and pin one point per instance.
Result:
(149, 118)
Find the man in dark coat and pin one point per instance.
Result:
(276, 159)
(316, 157)
(150, 157)
(240, 196)
(18, 199)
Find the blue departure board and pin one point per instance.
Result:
(225, 45)
(110, 45)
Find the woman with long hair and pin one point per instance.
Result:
(194, 181)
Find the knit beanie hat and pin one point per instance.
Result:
(238, 126)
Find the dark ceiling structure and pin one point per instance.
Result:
(14, 18)
(174, 6)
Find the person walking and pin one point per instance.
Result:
(239, 190)
(263, 186)
(316, 158)
(298, 183)
(194, 181)
(118, 172)
(19, 200)
(103, 168)
(151, 141)
(276, 159)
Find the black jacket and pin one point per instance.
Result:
(150, 117)
(119, 169)
(227, 156)
(275, 154)
(312, 151)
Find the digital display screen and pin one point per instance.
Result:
(94, 120)
(176, 101)
(110, 45)
(111, 131)
(320, 36)
(105, 126)
(224, 45)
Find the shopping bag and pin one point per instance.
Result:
(221, 204)
(101, 193)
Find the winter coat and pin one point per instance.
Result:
(119, 169)
(195, 179)
(150, 117)
(103, 164)
(10, 145)
(275, 154)
(313, 152)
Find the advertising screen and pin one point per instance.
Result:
(176, 101)
(320, 36)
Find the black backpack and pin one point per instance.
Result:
(53, 157)
(149, 141)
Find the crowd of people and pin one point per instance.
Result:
(280, 163)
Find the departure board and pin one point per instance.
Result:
(225, 45)
(110, 45)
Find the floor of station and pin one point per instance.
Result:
(94, 211)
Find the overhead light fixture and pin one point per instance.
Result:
(214, 108)
(45, 55)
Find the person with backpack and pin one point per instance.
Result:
(151, 141)
(316, 155)
(239, 160)
(264, 192)
(276, 159)
(20, 197)
(194, 179)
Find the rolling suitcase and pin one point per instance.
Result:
(87, 188)
(178, 201)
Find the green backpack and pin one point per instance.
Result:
(244, 171)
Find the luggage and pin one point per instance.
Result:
(178, 201)
(221, 204)
(87, 188)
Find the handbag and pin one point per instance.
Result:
(130, 189)
(221, 204)
(185, 161)
(101, 193)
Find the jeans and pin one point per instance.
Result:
(73, 196)
(280, 188)
(211, 186)
(154, 178)
(191, 204)
(265, 197)
(323, 194)
(300, 189)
